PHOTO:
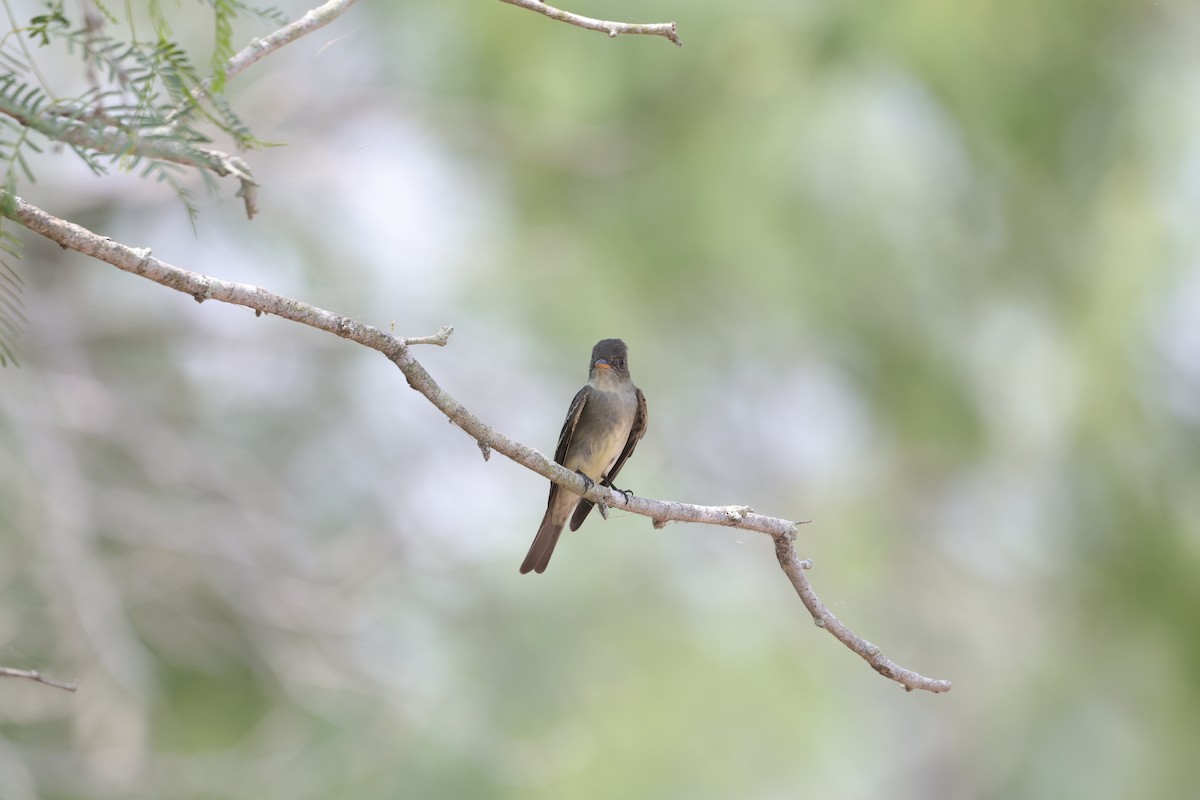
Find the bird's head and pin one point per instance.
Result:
(609, 363)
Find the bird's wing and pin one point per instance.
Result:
(640, 419)
(568, 431)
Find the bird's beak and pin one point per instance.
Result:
(602, 364)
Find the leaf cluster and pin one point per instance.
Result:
(146, 105)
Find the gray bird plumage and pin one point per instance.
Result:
(606, 420)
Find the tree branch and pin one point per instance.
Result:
(80, 129)
(34, 675)
(613, 29)
(313, 19)
(88, 129)
(397, 350)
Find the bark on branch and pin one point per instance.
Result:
(398, 351)
(34, 675)
(613, 29)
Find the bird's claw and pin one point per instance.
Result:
(588, 483)
(627, 492)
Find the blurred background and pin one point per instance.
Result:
(925, 273)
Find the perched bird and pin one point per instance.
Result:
(606, 420)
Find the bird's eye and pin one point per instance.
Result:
(621, 363)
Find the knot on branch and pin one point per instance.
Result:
(736, 514)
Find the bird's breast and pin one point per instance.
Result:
(601, 432)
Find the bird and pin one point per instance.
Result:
(604, 424)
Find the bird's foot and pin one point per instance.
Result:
(588, 483)
(629, 495)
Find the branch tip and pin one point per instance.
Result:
(249, 194)
(441, 338)
(37, 677)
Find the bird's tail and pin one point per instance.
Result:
(543, 544)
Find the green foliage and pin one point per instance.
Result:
(39, 26)
(11, 318)
(223, 15)
(145, 106)
(144, 99)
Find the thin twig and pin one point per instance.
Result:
(613, 29)
(67, 127)
(202, 287)
(34, 675)
(313, 19)
(440, 338)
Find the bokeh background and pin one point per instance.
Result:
(925, 273)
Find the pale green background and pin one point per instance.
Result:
(926, 273)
